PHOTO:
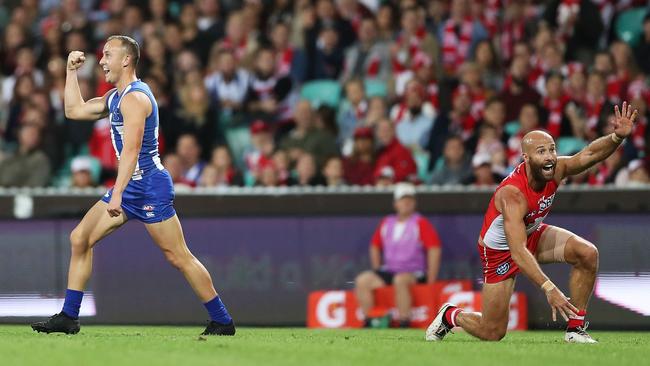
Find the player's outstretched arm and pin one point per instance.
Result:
(135, 107)
(75, 107)
(513, 206)
(601, 148)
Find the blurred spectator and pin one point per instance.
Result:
(228, 84)
(15, 37)
(268, 94)
(454, 166)
(412, 41)
(642, 51)
(414, 117)
(377, 110)
(576, 22)
(306, 172)
(393, 154)
(81, 168)
(280, 166)
(404, 250)
(268, 177)
(28, 166)
(220, 171)
(528, 121)
(385, 177)
(459, 35)
(368, 57)
(555, 103)
(333, 172)
(596, 105)
(359, 167)
(304, 137)
(189, 151)
(284, 51)
(483, 174)
(386, 25)
(352, 112)
(327, 57)
(634, 175)
(261, 153)
(606, 172)
(174, 165)
(488, 63)
(516, 91)
(196, 116)
(470, 80)
(490, 144)
(25, 65)
(240, 38)
(494, 117)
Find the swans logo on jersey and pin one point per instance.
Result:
(544, 204)
(503, 268)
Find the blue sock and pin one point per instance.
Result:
(72, 303)
(217, 311)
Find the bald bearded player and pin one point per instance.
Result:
(514, 239)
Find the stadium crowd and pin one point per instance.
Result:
(328, 92)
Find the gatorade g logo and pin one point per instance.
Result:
(503, 268)
(330, 310)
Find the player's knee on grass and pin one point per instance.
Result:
(494, 333)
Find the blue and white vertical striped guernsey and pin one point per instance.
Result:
(148, 159)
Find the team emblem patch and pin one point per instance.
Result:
(147, 208)
(503, 268)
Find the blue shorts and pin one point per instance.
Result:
(150, 199)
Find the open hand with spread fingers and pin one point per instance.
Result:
(624, 120)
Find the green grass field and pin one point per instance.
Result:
(145, 345)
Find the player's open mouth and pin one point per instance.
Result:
(548, 167)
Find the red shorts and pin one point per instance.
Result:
(498, 264)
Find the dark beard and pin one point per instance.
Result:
(415, 111)
(536, 172)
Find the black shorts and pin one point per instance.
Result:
(388, 276)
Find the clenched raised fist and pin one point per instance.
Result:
(75, 60)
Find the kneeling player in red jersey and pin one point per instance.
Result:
(514, 239)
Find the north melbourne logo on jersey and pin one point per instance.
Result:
(147, 208)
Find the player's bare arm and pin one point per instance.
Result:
(135, 107)
(600, 148)
(75, 107)
(512, 205)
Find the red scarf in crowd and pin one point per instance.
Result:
(513, 32)
(284, 59)
(239, 49)
(555, 108)
(412, 45)
(592, 110)
(490, 16)
(455, 47)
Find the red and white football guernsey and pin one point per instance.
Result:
(497, 262)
